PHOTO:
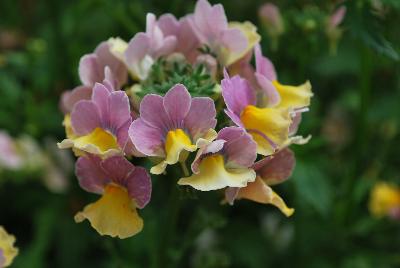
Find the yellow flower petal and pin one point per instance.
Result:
(294, 96)
(99, 142)
(213, 175)
(177, 141)
(67, 125)
(117, 47)
(384, 197)
(272, 122)
(250, 31)
(258, 191)
(114, 214)
(7, 249)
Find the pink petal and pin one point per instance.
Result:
(116, 66)
(263, 65)
(89, 70)
(278, 168)
(85, 117)
(123, 135)
(119, 109)
(234, 40)
(237, 94)
(268, 89)
(117, 168)
(139, 186)
(177, 104)
(168, 46)
(101, 99)
(235, 118)
(147, 139)
(153, 113)
(168, 24)
(231, 193)
(138, 47)
(91, 176)
(201, 116)
(70, 98)
(240, 150)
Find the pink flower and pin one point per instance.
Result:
(144, 48)
(269, 171)
(225, 162)
(211, 27)
(123, 186)
(100, 125)
(95, 68)
(187, 41)
(171, 126)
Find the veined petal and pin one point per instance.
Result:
(147, 139)
(201, 117)
(239, 149)
(98, 142)
(294, 97)
(7, 250)
(177, 104)
(213, 175)
(267, 126)
(277, 168)
(114, 214)
(259, 191)
(85, 117)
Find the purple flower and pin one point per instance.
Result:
(229, 42)
(269, 127)
(123, 186)
(95, 68)
(171, 126)
(100, 125)
(187, 41)
(225, 162)
(271, 170)
(144, 48)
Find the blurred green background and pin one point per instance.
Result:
(354, 120)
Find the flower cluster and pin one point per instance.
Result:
(182, 73)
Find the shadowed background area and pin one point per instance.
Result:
(354, 120)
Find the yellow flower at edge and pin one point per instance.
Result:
(384, 198)
(7, 250)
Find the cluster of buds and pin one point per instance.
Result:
(158, 97)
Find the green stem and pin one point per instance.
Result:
(168, 224)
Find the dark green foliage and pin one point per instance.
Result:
(354, 120)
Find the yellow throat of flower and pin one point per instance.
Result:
(100, 138)
(213, 175)
(272, 123)
(177, 141)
